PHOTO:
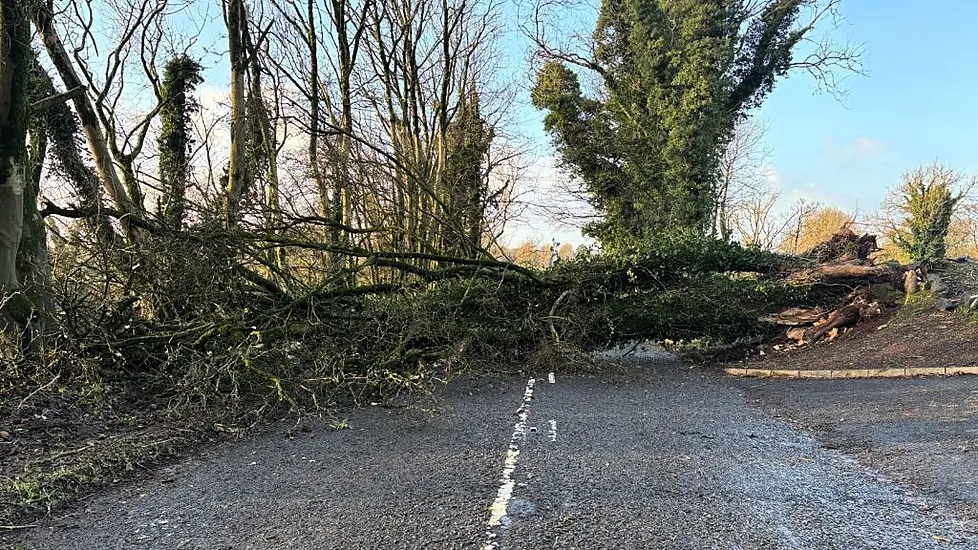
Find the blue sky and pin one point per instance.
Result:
(916, 105)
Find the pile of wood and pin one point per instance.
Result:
(809, 325)
(843, 262)
(854, 288)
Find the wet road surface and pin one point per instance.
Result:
(651, 455)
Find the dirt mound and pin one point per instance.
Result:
(893, 316)
(917, 336)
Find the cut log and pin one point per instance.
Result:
(862, 307)
(796, 316)
(840, 318)
(836, 272)
(797, 334)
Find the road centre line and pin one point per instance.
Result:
(497, 512)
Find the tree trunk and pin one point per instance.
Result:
(60, 127)
(34, 271)
(312, 42)
(15, 62)
(237, 21)
(264, 134)
(342, 205)
(181, 76)
(43, 20)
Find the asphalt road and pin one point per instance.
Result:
(921, 432)
(652, 455)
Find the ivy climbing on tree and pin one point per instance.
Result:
(180, 78)
(675, 76)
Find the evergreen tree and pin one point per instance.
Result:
(676, 76)
(469, 140)
(927, 202)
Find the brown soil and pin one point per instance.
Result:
(905, 339)
(59, 443)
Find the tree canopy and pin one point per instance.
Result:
(675, 77)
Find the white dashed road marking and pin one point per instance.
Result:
(552, 434)
(550, 378)
(497, 512)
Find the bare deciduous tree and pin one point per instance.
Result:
(742, 172)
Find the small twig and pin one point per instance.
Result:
(15, 527)
(38, 390)
(66, 453)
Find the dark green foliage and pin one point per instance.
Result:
(676, 75)
(237, 347)
(14, 83)
(467, 189)
(37, 127)
(928, 203)
(180, 79)
(680, 287)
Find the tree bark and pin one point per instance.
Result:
(53, 116)
(34, 272)
(44, 22)
(264, 134)
(15, 62)
(837, 272)
(237, 21)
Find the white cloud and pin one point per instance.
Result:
(865, 146)
(549, 210)
(859, 150)
(213, 98)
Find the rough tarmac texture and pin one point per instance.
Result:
(650, 456)
(922, 432)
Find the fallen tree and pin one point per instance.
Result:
(852, 288)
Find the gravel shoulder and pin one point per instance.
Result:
(649, 455)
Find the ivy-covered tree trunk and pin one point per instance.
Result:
(466, 187)
(34, 266)
(180, 78)
(15, 62)
(60, 129)
(43, 18)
